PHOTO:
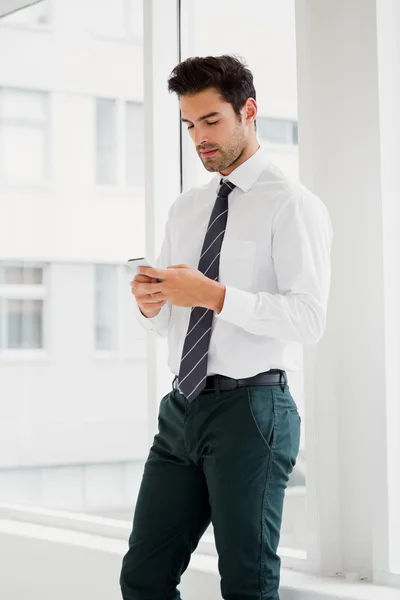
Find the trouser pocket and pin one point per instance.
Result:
(262, 411)
(275, 417)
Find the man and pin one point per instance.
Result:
(245, 275)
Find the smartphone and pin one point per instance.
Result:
(140, 262)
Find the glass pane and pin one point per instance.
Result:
(36, 14)
(23, 152)
(106, 142)
(14, 275)
(276, 93)
(275, 82)
(275, 130)
(33, 275)
(134, 144)
(106, 307)
(23, 275)
(76, 394)
(24, 323)
(295, 134)
(22, 105)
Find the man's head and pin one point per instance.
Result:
(217, 100)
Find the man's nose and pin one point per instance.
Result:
(200, 137)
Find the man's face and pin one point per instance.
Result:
(219, 135)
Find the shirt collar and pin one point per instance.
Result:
(246, 174)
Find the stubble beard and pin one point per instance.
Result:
(225, 158)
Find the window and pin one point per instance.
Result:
(202, 36)
(21, 307)
(106, 132)
(23, 135)
(119, 143)
(105, 307)
(36, 14)
(277, 131)
(134, 154)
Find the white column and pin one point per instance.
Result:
(162, 165)
(387, 525)
(340, 160)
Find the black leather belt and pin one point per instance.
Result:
(272, 377)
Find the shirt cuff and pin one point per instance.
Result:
(239, 306)
(156, 323)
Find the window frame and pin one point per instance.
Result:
(121, 180)
(24, 292)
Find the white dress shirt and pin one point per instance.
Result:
(274, 262)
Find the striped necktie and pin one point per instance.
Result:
(193, 367)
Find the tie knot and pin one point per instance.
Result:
(226, 187)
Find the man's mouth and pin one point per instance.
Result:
(208, 153)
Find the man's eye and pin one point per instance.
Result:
(207, 122)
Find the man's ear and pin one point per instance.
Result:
(250, 109)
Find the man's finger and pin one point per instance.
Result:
(149, 288)
(142, 278)
(156, 273)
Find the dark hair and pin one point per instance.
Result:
(229, 75)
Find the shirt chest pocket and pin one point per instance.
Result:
(236, 264)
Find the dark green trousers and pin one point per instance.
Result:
(226, 458)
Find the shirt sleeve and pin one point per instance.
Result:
(301, 244)
(159, 324)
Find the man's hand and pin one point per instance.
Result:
(149, 306)
(181, 285)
